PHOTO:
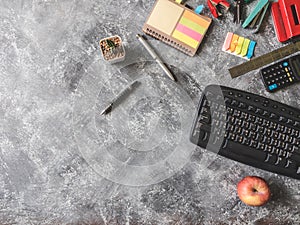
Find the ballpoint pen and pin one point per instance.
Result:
(155, 56)
(119, 97)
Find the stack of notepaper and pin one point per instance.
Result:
(239, 46)
(177, 26)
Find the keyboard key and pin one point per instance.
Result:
(245, 150)
(270, 159)
(280, 162)
(274, 116)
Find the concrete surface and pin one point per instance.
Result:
(64, 163)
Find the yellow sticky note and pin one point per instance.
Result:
(185, 39)
(239, 46)
(245, 47)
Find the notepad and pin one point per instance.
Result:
(239, 46)
(177, 26)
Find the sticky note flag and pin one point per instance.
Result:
(245, 47)
(227, 42)
(234, 42)
(239, 46)
(251, 49)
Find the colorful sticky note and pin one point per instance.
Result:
(239, 46)
(190, 29)
(245, 47)
(177, 25)
(234, 42)
(227, 42)
(251, 49)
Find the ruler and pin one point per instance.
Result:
(265, 59)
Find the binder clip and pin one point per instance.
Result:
(218, 7)
(254, 20)
(286, 17)
(238, 7)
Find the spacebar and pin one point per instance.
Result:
(242, 151)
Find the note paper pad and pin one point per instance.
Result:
(177, 26)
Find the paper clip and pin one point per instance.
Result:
(254, 20)
(216, 5)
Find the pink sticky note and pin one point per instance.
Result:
(227, 42)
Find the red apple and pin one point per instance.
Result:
(253, 191)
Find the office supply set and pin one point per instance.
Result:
(257, 131)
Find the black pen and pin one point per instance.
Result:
(118, 97)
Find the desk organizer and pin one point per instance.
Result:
(112, 49)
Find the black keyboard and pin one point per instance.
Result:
(250, 129)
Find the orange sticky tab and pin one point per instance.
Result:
(196, 19)
(234, 42)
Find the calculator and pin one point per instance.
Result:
(281, 74)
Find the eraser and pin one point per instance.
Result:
(199, 9)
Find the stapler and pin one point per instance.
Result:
(254, 20)
(217, 7)
(286, 17)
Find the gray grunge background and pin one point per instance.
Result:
(53, 140)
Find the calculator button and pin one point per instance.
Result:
(272, 87)
(285, 64)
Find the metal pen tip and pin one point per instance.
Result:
(106, 110)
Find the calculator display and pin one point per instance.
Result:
(295, 62)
